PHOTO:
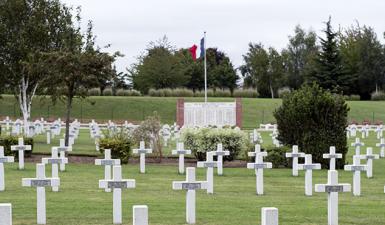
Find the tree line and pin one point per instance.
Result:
(349, 61)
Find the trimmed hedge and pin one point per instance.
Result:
(7, 141)
(378, 96)
(202, 140)
(314, 119)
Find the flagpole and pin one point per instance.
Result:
(205, 65)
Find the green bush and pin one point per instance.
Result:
(7, 141)
(153, 93)
(352, 97)
(94, 92)
(314, 119)
(134, 92)
(121, 92)
(119, 142)
(276, 155)
(182, 92)
(107, 92)
(282, 92)
(378, 96)
(222, 93)
(202, 140)
(246, 93)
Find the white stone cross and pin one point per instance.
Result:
(97, 137)
(142, 151)
(258, 166)
(54, 161)
(257, 149)
(295, 155)
(309, 166)
(332, 188)
(269, 216)
(191, 185)
(220, 153)
(381, 145)
(117, 184)
(139, 215)
(5, 213)
(209, 164)
(4, 159)
(369, 161)
(181, 152)
(356, 167)
(21, 148)
(62, 149)
(332, 155)
(40, 182)
(357, 146)
(48, 136)
(107, 162)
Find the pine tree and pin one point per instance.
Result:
(329, 72)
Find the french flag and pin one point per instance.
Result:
(193, 50)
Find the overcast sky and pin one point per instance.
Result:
(129, 25)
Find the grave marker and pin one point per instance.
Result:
(357, 146)
(191, 185)
(54, 161)
(5, 213)
(258, 166)
(21, 148)
(356, 167)
(332, 188)
(62, 149)
(209, 164)
(381, 145)
(220, 153)
(107, 162)
(3, 159)
(269, 216)
(332, 156)
(295, 155)
(369, 161)
(117, 184)
(142, 151)
(40, 182)
(181, 152)
(309, 166)
(140, 215)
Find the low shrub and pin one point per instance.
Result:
(378, 96)
(182, 92)
(121, 92)
(107, 92)
(94, 92)
(352, 97)
(153, 93)
(7, 141)
(119, 142)
(222, 93)
(276, 155)
(202, 140)
(246, 93)
(282, 92)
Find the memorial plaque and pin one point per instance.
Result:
(260, 166)
(191, 186)
(334, 188)
(358, 168)
(54, 161)
(371, 157)
(210, 164)
(117, 184)
(220, 153)
(181, 152)
(3, 160)
(335, 156)
(62, 149)
(40, 183)
(142, 151)
(309, 167)
(296, 155)
(107, 162)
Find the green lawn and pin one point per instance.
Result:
(80, 201)
(255, 111)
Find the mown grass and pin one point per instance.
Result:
(80, 201)
(136, 109)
